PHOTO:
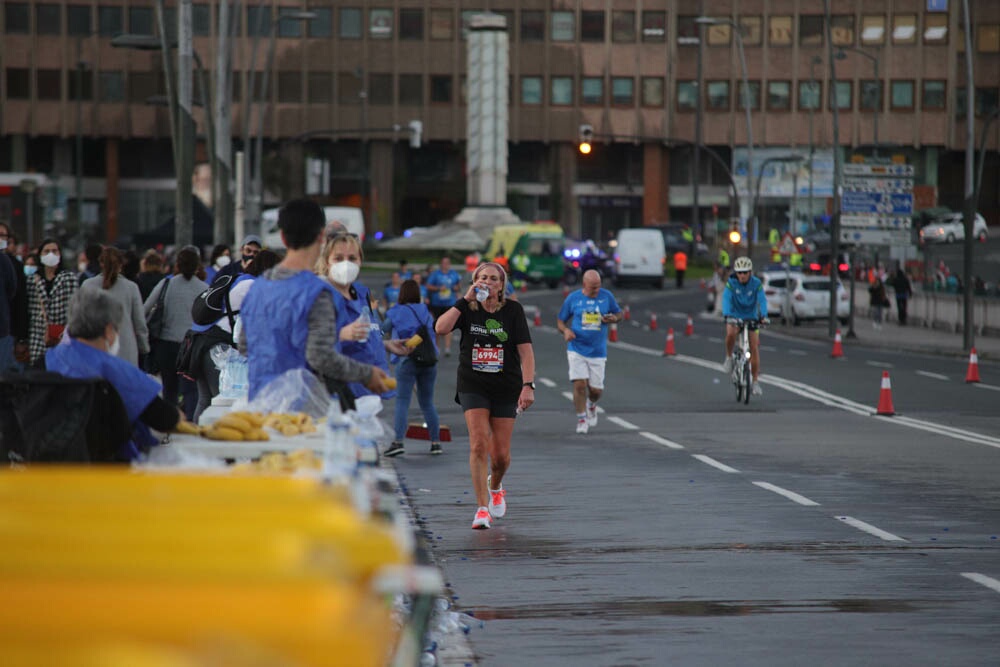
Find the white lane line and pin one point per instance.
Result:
(879, 364)
(799, 353)
(936, 376)
(989, 582)
(715, 464)
(870, 529)
(714, 339)
(547, 382)
(624, 424)
(568, 394)
(791, 495)
(985, 386)
(768, 348)
(660, 441)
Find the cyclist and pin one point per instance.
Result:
(743, 299)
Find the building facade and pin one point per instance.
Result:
(342, 81)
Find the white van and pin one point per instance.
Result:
(350, 216)
(640, 256)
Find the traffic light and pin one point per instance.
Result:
(586, 139)
(734, 233)
(416, 130)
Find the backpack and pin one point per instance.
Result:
(423, 354)
(154, 320)
(46, 417)
(212, 304)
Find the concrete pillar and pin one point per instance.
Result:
(112, 176)
(656, 184)
(382, 186)
(293, 154)
(486, 117)
(562, 177)
(19, 153)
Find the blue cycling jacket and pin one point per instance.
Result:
(745, 302)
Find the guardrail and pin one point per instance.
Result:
(940, 310)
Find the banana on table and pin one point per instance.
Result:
(249, 426)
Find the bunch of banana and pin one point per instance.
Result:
(237, 426)
(271, 462)
(290, 423)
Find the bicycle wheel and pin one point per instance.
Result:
(745, 381)
(738, 380)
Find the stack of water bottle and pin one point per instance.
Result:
(351, 448)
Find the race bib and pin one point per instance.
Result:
(445, 292)
(487, 359)
(590, 321)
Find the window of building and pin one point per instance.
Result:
(111, 86)
(961, 101)
(411, 89)
(872, 29)
(464, 18)
(380, 23)
(623, 91)
(987, 101)
(350, 23)
(934, 95)
(563, 26)
(289, 87)
(17, 18)
(322, 25)
(809, 95)
(143, 85)
(811, 27)
(750, 28)
(904, 29)
(870, 95)
(718, 35)
(48, 19)
(80, 85)
(592, 90)
(562, 91)
(78, 20)
(380, 88)
(842, 92)
(591, 26)
(18, 83)
(988, 38)
(842, 29)
(411, 24)
(779, 95)
(717, 95)
(348, 88)
(259, 94)
(652, 91)
(442, 24)
(531, 90)
(779, 30)
(109, 21)
(623, 27)
(259, 21)
(687, 31)
(935, 28)
(441, 88)
(320, 87)
(901, 95)
(654, 26)
(48, 84)
(754, 89)
(237, 83)
(290, 28)
(532, 26)
(687, 95)
(170, 22)
(235, 20)
(201, 20)
(140, 21)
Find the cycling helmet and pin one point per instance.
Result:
(742, 264)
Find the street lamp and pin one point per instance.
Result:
(816, 60)
(747, 103)
(841, 55)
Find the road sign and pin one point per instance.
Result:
(875, 222)
(876, 202)
(881, 203)
(875, 236)
(788, 246)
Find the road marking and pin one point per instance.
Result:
(870, 529)
(715, 464)
(879, 364)
(547, 382)
(791, 495)
(768, 348)
(568, 394)
(986, 386)
(799, 353)
(989, 582)
(624, 424)
(660, 441)
(714, 339)
(680, 316)
(936, 376)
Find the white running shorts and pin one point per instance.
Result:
(586, 368)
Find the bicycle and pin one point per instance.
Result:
(742, 377)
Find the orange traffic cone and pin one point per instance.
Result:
(524, 287)
(838, 347)
(652, 322)
(668, 349)
(885, 397)
(613, 333)
(627, 313)
(689, 329)
(538, 318)
(972, 375)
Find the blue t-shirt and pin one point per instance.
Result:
(449, 283)
(584, 315)
(391, 295)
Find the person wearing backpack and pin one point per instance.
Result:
(407, 318)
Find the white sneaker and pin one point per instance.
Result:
(727, 364)
(756, 390)
(591, 416)
(581, 426)
(482, 519)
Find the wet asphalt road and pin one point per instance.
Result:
(688, 530)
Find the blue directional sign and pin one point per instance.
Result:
(877, 203)
(937, 5)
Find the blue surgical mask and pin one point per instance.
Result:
(30, 270)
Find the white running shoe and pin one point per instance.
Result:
(498, 502)
(581, 426)
(727, 364)
(756, 390)
(591, 416)
(482, 520)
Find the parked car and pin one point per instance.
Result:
(818, 239)
(951, 228)
(776, 281)
(810, 299)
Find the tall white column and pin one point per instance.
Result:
(487, 84)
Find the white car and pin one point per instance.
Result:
(810, 299)
(775, 285)
(351, 217)
(951, 228)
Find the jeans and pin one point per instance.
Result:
(208, 384)
(7, 362)
(408, 374)
(174, 385)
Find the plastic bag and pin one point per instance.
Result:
(297, 390)
(234, 378)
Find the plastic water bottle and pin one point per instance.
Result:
(482, 293)
(366, 320)
(341, 457)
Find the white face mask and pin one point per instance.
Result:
(115, 346)
(344, 273)
(3, 244)
(51, 259)
(222, 261)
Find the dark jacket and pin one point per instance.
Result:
(8, 289)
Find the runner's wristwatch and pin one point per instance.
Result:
(529, 384)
